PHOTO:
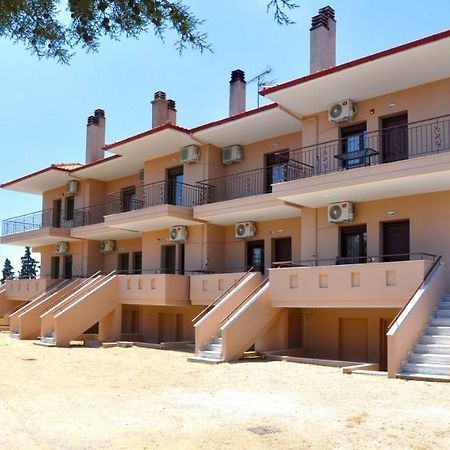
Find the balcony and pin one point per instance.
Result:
(371, 165)
(24, 289)
(154, 289)
(369, 282)
(153, 206)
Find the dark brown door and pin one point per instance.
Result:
(181, 256)
(123, 263)
(255, 255)
(68, 267)
(353, 342)
(128, 199)
(396, 241)
(137, 262)
(282, 251)
(394, 138)
(353, 245)
(56, 215)
(168, 253)
(55, 267)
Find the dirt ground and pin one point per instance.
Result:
(136, 398)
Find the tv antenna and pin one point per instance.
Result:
(261, 81)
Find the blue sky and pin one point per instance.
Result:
(44, 105)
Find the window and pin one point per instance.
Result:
(353, 140)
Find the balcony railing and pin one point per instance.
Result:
(163, 192)
(53, 218)
(386, 145)
(253, 182)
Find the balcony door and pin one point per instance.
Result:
(175, 186)
(56, 214)
(354, 139)
(128, 199)
(123, 263)
(353, 245)
(276, 169)
(54, 267)
(168, 259)
(282, 251)
(255, 255)
(68, 263)
(396, 241)
(394, 138)
(137, 262)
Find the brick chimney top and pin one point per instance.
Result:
(171, 104)
(160, 95)
(237, 75)
(321, 20)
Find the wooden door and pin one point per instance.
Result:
(168, 258)
(394, 138)
(165, 327)
(396, 241)
(282, 251)
(353, 340)
(55, 267)
(68, 267)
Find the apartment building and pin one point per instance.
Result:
(314, 226)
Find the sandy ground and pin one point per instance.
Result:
(78, 398)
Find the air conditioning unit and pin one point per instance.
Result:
(244, 230)
(61, 248)
(341, 111)
(141, 176)
(231, 154)
(190, 154)
(107, 246)
(72, 187)
(340, 212)
(177, 234)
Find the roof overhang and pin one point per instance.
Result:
(101, 231)
(152, 144)
(252, 126)
(38, 238)
(396, 69)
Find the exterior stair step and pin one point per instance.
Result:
(442, 314)
(429, 358)
(433, 348)
(14, 335)
(426, 369)
(210, 354)
(216, 340)
(440, 322)
(214, 347)
(200, 359)
(423, 377)
(435, 339)
(435, 330)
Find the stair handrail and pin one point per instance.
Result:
(53, 287)
(257, 288)
(422, 284)
(86, 289)
(221, 297)
(72, 291)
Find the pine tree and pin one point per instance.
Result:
(29, 264)
(7, 271)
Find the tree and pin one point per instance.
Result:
(7, 271)
(29, 264)
(45, 31)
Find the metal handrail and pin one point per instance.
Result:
(425, 279)
(257, 288)
(338, 260)
(221, 296)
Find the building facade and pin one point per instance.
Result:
(303, 227)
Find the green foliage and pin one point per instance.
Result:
(29, 264)
(54, 28)
(7, 271)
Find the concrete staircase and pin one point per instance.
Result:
(430, 359)
(211, 352)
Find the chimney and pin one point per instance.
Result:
(171, 112)
(323, 40)
(159, 109)
(237, 92)
(95, 136)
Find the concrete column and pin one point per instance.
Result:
(323, 40)
(237, 92)
(95, 136)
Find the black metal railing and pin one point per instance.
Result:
(339, 260)
(253, 182)
(377, 147)
(382, 146)
(164, 192)
(53, 218)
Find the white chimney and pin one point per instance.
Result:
(323, 40)
(237, 92)
(95, 136)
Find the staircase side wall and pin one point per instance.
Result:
(253, 319)
(404, 334)
(209, 325)
(86, 311)
(6, 304)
